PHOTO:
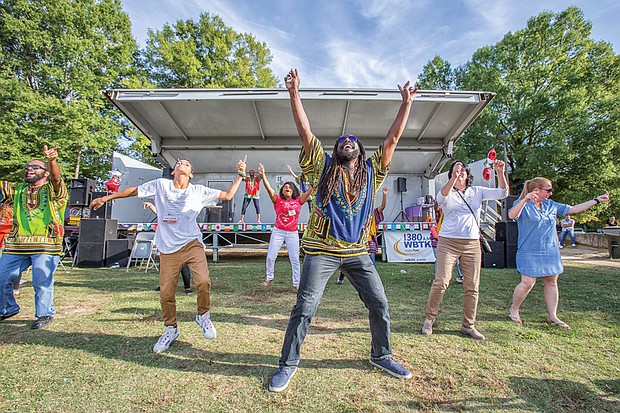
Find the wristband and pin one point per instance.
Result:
(596, 200)
(241, 175)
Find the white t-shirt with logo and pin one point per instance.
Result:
(177, 210)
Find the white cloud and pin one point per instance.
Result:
(369, 43)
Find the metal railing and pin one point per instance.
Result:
(489, 217)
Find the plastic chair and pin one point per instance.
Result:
(144, 251)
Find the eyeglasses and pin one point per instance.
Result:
(549, 190)
(34, 167)
(351, 138)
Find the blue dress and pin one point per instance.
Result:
(538, 251)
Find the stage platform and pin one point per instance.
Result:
(218, 236)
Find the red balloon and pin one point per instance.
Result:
(492, 154)
(486, 173)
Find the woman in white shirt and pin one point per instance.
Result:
(459, 239)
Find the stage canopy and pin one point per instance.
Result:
(215, 127)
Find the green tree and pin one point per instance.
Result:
(557, 101)
(437, 74)
(56, 58)
(206, 54)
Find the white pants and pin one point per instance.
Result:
(291, 239)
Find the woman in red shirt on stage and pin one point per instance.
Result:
(287, 206)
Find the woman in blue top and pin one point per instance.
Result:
(538, 252)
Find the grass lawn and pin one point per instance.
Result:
(97, 354)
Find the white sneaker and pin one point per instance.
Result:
(561, 246)
(204, 322)
(170, 334)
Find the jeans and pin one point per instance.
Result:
(565, 232)
(291, 239)
(314, 276)
(43, 267)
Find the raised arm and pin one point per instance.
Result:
(272, 194)
(299, 114)
(291, 171)
(383, 200)
(445, 190)
(589, 204)
(407, 93)
(230, 192)
(306, 195)
(55, 177)
(125, 193)
(500, 170)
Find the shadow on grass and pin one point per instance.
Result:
(279, 324)
(563, 395)
(531, 394)
(180, 356)
(460, 405)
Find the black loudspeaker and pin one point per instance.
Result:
(506, 205)
(117, 252)
(223, 214)
(511, 256)
(401, 184)
(507, 231)
(494, 259)
(98, 230)
(80, 192)
(90, 254)
(105, 211)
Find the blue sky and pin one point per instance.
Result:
(369, 43)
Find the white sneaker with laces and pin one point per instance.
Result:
(204, 322)
(170, 334)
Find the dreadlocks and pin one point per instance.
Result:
(333, 174)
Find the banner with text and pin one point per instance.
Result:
(408, 246)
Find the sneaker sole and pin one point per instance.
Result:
(279, 389)
(171, 341)
(391, 372)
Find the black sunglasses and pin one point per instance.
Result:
(351, 138)
(35, 167)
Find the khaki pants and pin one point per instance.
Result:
(193, 255)
(467, 251)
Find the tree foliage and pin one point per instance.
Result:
(56, 58)
(557, 101)
(437, 74)
(206, 54)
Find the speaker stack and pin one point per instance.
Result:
(117, 252)
(105, 211)
(80, 195)
(81, 191)
(494, 259)
(506, 205)
(92, 241)
(507, 231)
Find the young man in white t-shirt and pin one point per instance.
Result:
(179, 240)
